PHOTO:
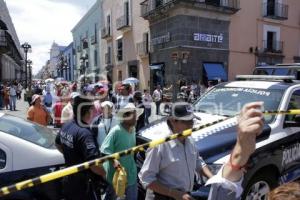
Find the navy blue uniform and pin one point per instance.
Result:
(78, 145)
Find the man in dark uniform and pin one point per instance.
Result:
(78, 145)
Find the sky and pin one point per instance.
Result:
(40, 22)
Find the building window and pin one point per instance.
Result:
(120, 49)
(146, 41)
(108, 24)
(127, 12)
(96, 58)
(120, 78)
(96, 34)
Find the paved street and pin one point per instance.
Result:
(22, 108)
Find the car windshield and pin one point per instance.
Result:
(26, 130)
(228, 101)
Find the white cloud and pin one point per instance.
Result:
(40, 22)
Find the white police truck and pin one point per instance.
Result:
(277, 156)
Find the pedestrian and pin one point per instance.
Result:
(120, 138)
(1, 95)
(48, 98)
(12, 96)
(37, 112)
(67, 112)
(78, 145)
(147, 101)
(57, 111)
(103, 123)
(176, 155)
(138, 102)
(5, 97)
(287, 191)
(19, 91)
(157, 97)
(125, 96)
(160, 170)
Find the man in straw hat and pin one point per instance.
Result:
(120, 138)
(162, 164)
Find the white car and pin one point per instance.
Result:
(28, 150)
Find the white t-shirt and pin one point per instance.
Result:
(67, 113)
(157, 95)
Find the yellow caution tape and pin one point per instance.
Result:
(86, 165)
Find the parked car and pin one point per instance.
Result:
(28, 150)
(277, 156)
(292, 69)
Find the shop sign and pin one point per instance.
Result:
(203, 37)
(161, 39)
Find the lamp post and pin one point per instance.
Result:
(26, 48)
(65, 67)
(84, 57)
(29, 65)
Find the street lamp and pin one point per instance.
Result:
(84, 57)
(65, 67)
(29, 65)
(26, 48)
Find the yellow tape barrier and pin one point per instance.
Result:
(86, 165)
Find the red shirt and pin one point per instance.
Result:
(58, 107)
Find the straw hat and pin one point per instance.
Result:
(129, 108)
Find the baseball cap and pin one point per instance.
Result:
(183, 111)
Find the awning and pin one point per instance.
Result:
(153, 67)
(215, 71)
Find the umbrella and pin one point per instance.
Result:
(131, 80)
(49, 80)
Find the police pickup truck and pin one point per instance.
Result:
(277, 156)
(292, 69)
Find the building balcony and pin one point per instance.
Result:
(273, 46)
(106, 32)
(142, 48)
(150, 8)
(275, 11)
(108, 60)
(123, 23)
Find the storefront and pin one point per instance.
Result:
(188, 48)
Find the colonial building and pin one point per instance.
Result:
(86, 43)
(189, 39)
(68, 62)
(55, 54)
(11, 57)
(125, 41)
(264, 32)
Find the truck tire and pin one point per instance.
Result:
(260, 185)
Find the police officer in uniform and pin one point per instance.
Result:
(78, 145)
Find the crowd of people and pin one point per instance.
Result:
(95, 121)
(10, 92)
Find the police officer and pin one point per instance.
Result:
(78, 145)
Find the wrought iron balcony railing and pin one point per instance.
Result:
(123, 22)
(272, 46)
(149, 7)
(142, 48)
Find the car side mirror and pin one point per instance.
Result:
(294, 123)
